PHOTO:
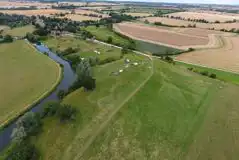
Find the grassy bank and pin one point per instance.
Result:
(19, 63)
(221, 75)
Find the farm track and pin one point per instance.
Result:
(86, 137)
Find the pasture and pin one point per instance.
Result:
(78, 17)
(83, 48)
(19, 31)
(64, 140)
(191, 124)
(135, 14)
(24, 81)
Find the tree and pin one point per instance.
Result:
(50, 108)
(18, 134)
(124, 51)
(8, 38)
(31, 38)
(66, 112)
(61, 94)
(110, 39)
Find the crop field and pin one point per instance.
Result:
(19, 63)
(84, 48)
(65, 140)
(84, 11)
(224, 57)
(207, 16)
(46, 12)
(77, 17)
(160, 126)
(19, 31)
(142, 46)
(179, 23)
(14, 4)
(134, 14)
(161, 36)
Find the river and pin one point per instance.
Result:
(68, 78)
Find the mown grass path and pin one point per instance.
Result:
(85, 138)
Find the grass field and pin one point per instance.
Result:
(176, 115)
(84, 48)
(19, 31)
(23, 79)
(221, 75)
(102, 33)
(62, 141)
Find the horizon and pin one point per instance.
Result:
(221, 2)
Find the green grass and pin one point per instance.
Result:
(23, 78)
(155, 48)
(19, 31)
(102, 33)
(93, 108)
(85, 48)
(221, 75)
(169, 114)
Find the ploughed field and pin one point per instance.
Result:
(164, 36)
(26, 76)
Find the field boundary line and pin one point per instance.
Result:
(42, 96)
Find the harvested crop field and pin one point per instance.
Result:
(12, 4)
(225, 57)
(179, 23)
(88, 12)
(45, 12)
(162, 36)
(76, 17)
(138, 14)
(211, 17)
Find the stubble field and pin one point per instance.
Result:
(176, 38)
(46, 12)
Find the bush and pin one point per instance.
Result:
(51, 108)
(204, 73)
(23, 151)
(66, 112)
(212, 75)
(110, 39)
(190, 69)
(61, 94)
(70, 50)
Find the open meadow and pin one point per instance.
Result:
(26, 76)
(78, 17)
(19, 31)
(135, 14)
(63, 141)
(82, 48)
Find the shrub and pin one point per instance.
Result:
(110, 39)
(204, 73)
(61, 94)
(23, 151)
(66, 112)
(190, 69)
(51, 108)
(212, 75)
